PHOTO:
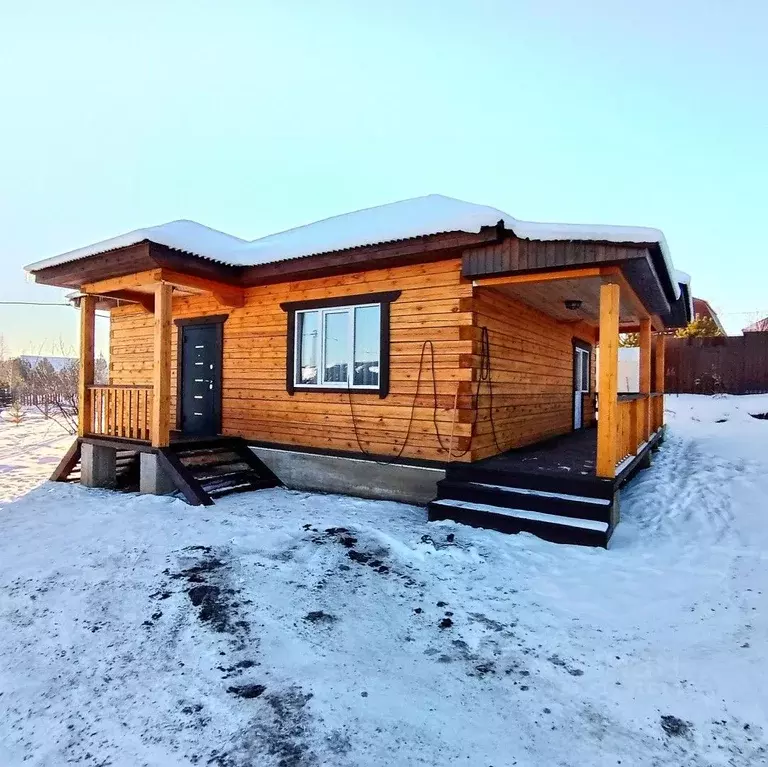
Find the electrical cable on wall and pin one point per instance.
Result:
(485, 375)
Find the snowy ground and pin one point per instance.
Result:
(29, 452)
(285, 628)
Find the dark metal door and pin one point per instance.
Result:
(200, 379)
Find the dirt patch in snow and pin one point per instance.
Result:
(210, 591)
(675, 727)
(373, 556)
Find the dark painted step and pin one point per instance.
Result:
(574, 485)
(237, 485)
(548, 502)
(212, 468)
(550, 527)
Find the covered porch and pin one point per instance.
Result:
(139, 412)
(127, 437)
(598, 303)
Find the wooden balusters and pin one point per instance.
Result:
(121, 411)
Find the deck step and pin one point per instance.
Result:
(552, 483)
(551, 527)
(548, 502)
(214, 468)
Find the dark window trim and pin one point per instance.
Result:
(384, 299)
(208, 319)
(211, 319)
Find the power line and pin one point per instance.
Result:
(33, 303)
(44, 303)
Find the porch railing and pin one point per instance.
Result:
(631, 435)
(633, 411)
(657, 411)
(121, 411)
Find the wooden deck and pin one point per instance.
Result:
(569, 455)
(550, 489)
(567, 459)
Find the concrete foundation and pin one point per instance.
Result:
(97, 466)
(352, 476)
(152, 478)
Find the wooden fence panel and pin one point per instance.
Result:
(727, 364)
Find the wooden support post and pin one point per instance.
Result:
(608, 418)
(645, 377)
(160, 429)
(659, 376)
(85, 380)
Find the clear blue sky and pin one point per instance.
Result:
(253, 117)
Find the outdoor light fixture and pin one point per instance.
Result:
(573, 304)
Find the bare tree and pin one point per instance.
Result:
(54, 392)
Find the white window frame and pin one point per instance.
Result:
(583, 365)
(321, 384)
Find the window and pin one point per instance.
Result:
(339, 344)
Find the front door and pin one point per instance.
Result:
(200, 379)
(580, 384)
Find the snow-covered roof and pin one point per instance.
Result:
(417, 217)
(188, 236)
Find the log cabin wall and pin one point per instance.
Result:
(435, 305)
(531, 357)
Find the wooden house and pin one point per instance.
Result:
(428, 350)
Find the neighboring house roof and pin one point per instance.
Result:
(761, 326)
(57, 363)
(417, 217)
(701, 308)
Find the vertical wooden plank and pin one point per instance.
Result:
(645, 376)
(122, 421)
(634, 426)
(85, 379)
(659, 366)
(607, 424)
(161, 372)
(118, 412)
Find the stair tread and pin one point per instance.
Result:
(240, 487)
(201, 472)
(541, 493)
(534, 516)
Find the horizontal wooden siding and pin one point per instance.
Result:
(435, 306)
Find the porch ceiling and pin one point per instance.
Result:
(549, 297)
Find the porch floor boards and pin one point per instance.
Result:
(569, 455)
